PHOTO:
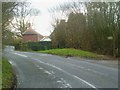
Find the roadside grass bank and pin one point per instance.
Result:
(8, 76)
(69, 52)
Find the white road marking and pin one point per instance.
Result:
(48, 72)
(54, 66)
(87, 69)
(40, 68)
(37, 65)
(68, 73)
(21, 55)
(64, 83)
(85, 81)
(19, 78)
(49, 64)
(59, 81)
(52, 74)
(12, 63)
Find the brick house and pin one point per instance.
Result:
(30, 35)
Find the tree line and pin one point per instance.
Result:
(95, 28)
(15, 20)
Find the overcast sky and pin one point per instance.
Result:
(42, 22)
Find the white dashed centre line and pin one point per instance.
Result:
(21, 55)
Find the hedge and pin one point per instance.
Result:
(35, 46)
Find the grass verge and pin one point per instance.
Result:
(7, 74)
(74, 52)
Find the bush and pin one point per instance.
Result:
(35, 46)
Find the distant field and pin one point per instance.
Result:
(7, 74)
(74, 52)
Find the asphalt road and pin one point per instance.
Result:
(37, 70)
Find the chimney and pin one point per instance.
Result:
(29, 25)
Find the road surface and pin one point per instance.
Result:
(37, 70)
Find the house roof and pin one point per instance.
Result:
(30, 31)
(45, 38)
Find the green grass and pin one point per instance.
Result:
(7, 74)
(74, 52)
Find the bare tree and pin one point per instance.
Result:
(22, 17)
